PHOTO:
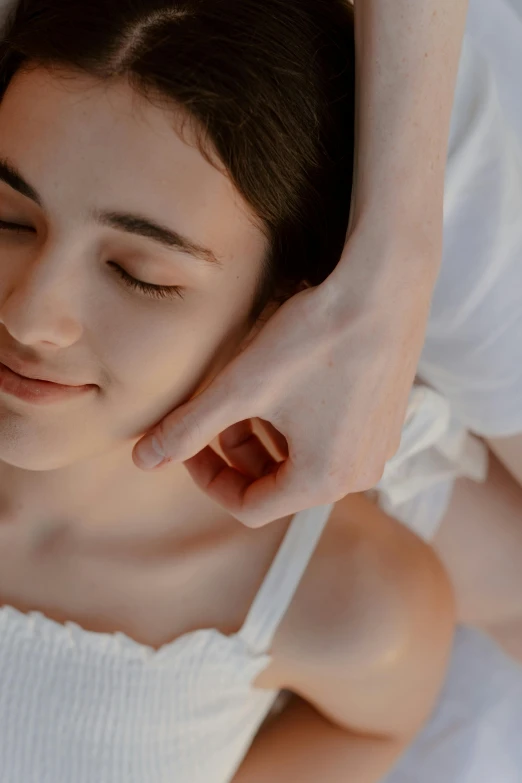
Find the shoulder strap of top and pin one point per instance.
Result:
(283, 577)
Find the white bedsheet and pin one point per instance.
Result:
(475, 734)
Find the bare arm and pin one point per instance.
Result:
(364, 326)
(365, 645)
(407, 59)
(302, 745)
(509, 452)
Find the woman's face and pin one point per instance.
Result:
(91, 153)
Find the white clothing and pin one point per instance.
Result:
(475, 732)
(473, 356)
(82, 706)
(90, 707)
(434, 451)
(473, 348)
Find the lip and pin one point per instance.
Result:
(36, 390)
(23, 369)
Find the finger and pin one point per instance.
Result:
(276, 437)
(189, 428)
(273, 496)
(252, 502)
(221, 482)
(245, 451)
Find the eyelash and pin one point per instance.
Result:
(155, 291)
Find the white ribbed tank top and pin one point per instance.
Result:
(79, 706)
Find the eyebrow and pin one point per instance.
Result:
(124, 221)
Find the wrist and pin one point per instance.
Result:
(386, 268)
(407, 212)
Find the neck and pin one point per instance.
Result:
(105, 497)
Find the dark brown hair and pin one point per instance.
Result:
(270, 84)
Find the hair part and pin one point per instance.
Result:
(268, 83)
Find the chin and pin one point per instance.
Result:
(34, 459)
(25, 445)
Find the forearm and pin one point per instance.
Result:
(301, 745)
(407, 60)
(407, 57)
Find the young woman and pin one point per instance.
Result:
(170, 171)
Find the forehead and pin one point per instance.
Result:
(80, 140)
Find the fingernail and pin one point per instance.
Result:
(149, 453)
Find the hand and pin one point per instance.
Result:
(329, 375)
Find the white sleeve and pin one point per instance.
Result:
(473, 348)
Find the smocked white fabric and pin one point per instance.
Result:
(83, 707)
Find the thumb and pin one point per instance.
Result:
(187, 430)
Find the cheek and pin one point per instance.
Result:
(161, 359)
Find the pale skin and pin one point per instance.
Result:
(508, 630)
(29, 499)
(43, 494)
(401, 234)
(43, 309)
(363, 328)
(486, 575)
(509, 451)
(64, 310)
(357, 711)
(479, 542)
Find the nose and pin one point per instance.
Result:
(37, 307)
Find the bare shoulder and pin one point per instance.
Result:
(368, 582)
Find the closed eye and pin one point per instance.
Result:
(156, 291)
